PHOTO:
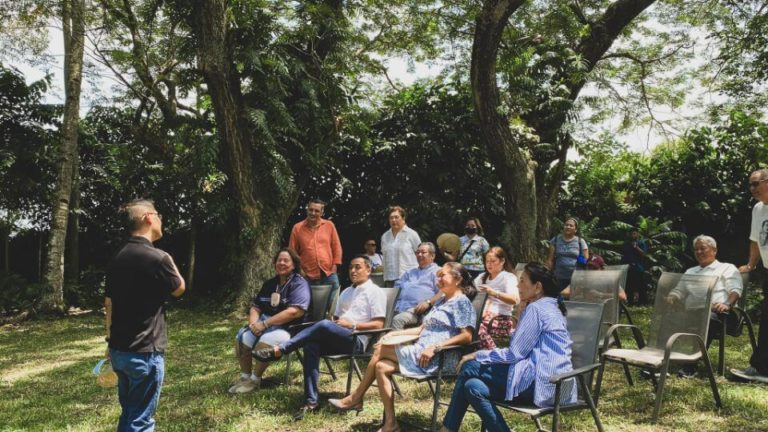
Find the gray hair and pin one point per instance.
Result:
(763, 173)
(709, 241)
(429, 245)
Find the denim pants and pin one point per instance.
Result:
(323, 338)
(139, 380)
(324, 279)
(477, 385)
(759, 359)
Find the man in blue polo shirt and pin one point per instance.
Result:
(140, 279)
(418, 289)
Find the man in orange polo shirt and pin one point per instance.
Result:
(316, 241)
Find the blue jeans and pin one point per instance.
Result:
(332, 279)
(139, 380)
(477, 385)
(323, 338)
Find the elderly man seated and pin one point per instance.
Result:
(727, 291)
(362, 306)
(418, 289)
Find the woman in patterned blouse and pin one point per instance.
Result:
(450, 322)
(540, 348)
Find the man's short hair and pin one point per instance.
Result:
(429, 245)
(316, 201)
(365, 259)
(133, 212)
(707, 240)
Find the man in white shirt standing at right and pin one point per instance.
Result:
(758, 248)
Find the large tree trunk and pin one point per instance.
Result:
(512, 162)
(72, 250)
(530, 189)
(52, 299)
(260, 227)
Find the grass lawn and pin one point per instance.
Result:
(46, 385)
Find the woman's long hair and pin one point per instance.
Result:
(294, 257)
(501, 254)
(465, 280)
(538, 272)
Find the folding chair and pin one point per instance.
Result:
(352, 357)
(623, 310)
(320, 304)
(584, 323)
(743, 320)
(378, 279)
(601, 286)
(677, 333)
(435, 381)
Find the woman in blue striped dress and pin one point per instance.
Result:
(539, 348)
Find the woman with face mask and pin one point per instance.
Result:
(473, 247)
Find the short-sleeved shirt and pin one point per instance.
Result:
(361, 304)
(475, 248)
(295, 292)
(630, 256)
(759, 232)
(443, 322)
(416, 285)
(566, 252)
(539, 348)
(728, 279)
(140, 279)
(377, 262)
(319, 247)
(504, 282)
(399, 252)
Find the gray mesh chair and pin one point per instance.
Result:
(435, 381)
(601, 286)
(743, 320)
(353, 357)
(519, 267)
(584, 322)
(677, 333)
(320, 303)
(378, 279)
(623, 284)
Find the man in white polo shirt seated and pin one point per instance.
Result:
(726, 293)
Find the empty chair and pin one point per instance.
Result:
(677, 333)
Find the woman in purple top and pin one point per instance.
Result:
(539, 349)
(282, 301)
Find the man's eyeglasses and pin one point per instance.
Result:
(159, 216)
(755, 184)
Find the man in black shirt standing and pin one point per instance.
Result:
(140, 279)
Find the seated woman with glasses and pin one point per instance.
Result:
(449, 322)
(539, 348)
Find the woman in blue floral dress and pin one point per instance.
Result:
(450, 322)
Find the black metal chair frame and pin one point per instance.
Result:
(353, 357)
(583, 377)
(664, 366)
(435, 381)
(743, 321)
(298, 327)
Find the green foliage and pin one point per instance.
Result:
(423, 153)
(16, 294)
(27, 141)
